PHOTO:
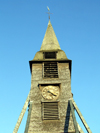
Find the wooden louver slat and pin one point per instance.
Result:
(50, 70)
(50, 111)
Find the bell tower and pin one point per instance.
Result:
(50, 101)
(50, 88)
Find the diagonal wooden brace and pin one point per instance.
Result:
(21, 115)
(73, 115)
(81, 117)
(80, 129)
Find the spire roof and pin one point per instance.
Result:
(50, 42)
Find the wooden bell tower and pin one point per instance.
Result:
(51, 104)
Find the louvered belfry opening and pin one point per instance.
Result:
(50, 70)
(50, 55)
(50, 111)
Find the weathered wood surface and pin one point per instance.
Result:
(79, 128)
(65, 123)
(21, 115)
(81, 117)
(74, 118)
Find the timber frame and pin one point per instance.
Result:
(73, 106)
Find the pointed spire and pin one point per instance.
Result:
(50, 42)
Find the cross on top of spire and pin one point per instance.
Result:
(49, 12)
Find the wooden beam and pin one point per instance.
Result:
(81, 117)
(73, 115)
(21, 115)
(79, 128)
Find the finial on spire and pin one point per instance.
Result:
(49, 12)
(48, 8)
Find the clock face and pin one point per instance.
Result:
(50, 92)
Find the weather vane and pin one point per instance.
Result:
(49, 12)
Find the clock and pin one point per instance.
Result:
(50, 92)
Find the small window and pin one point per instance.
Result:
(50, 111)
(50, 70)
(50, 55)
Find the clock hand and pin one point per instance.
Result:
(52, 93)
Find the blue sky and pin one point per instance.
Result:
(23, 25)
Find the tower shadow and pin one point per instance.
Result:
(67, 118)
